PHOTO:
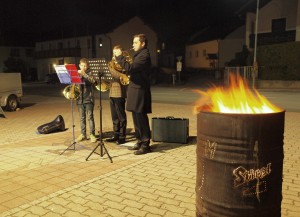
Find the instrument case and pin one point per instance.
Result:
(170, 129)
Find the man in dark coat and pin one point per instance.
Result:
(138, 92)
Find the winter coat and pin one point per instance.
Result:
(138, 91)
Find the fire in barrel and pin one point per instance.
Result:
(239, 153)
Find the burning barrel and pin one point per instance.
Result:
(239, 159)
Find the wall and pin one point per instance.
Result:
(278, 9)
(232, 44)
(298, 22)
(192, 60)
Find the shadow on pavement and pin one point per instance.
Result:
(164, 146)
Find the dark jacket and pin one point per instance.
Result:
(138, 92)
(86, 90)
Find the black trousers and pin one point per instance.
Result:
(142, 128)
(118, 115)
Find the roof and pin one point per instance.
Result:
(216, 32)
(221, 29)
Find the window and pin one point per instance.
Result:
(29, 52)
(15, 52)
(252, 27)
(61, 62)
(100, 42)
(60, 45)
(88, 43)
(278, 25)
(204, 53)
(197, 54)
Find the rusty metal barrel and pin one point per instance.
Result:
(239, 164)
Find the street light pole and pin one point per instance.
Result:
(255, 67)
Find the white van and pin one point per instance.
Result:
(10, 90)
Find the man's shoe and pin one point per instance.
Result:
(80, 138)
(93, 138)
(113, 139)
(143, 150)
(135, 147)
(121, 141)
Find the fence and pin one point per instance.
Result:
(246, 72)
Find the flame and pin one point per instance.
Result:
(237, 98)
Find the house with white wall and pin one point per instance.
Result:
(278, 22)
(71, 50)
(213, 47)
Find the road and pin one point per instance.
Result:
(181, 94)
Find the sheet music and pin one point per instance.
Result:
(100, 65)
(63, 74)
(68, 74)
(73, 72)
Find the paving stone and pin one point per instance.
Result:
(158, 184)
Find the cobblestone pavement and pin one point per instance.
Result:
(38, 179)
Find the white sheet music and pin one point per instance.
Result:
(100, 65)
(63, 74)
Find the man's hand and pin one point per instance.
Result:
(82, 73)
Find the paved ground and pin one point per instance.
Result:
(37, 180)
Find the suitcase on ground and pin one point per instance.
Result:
(170, 129)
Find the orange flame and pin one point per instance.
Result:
(238, 98)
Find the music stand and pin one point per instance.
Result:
(100, 71)
(68, 74)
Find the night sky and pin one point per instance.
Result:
(23, 22)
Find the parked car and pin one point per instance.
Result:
(10, 90)
(51, 78)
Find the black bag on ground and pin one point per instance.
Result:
(58, 124)
(170, 129)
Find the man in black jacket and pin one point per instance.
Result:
(138, 92)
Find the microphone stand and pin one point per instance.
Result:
(100, 143)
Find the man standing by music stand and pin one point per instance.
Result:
(85, 101)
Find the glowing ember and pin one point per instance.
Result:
(238, 98)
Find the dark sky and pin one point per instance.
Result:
(27, 21)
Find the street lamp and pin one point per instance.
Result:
(255, 67)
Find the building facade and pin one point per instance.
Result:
(20, 58)
(213, 54)
(71, 50)
(278, 22)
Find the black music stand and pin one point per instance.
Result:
(100, 71)
(68, 74)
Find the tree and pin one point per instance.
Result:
(14, 65)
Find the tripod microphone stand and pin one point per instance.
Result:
(100, 143)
